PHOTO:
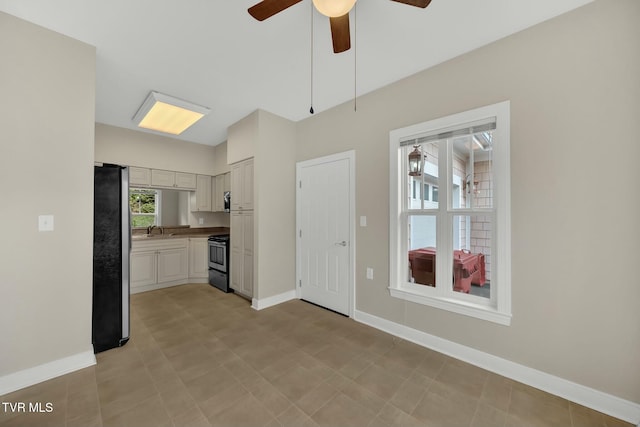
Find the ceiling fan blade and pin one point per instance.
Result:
(340, 33)
(267, 8)
(417, 3)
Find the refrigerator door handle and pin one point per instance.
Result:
(126, 248)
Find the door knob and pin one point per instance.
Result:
(343, 243)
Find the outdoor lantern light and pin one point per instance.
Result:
(468, 187)
(415, 161)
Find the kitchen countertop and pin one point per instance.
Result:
(179, 233)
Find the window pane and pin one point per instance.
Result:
(421, 188)
(473, 171)
(422, 249)
(430, 175)
(142, 220)
(472, 254)
(142, 201)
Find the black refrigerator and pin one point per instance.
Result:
(111, 246)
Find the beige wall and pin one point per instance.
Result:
(242, 138)
(47, 101)
(220, 164)
(275, 216)
(270, 141)
(133, 148)
(575, 101)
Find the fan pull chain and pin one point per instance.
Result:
(355, 53)
(311, 79)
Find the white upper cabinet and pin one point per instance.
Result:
(140, 177)
(201, 198)
(170, 179)
(242, 185)
(227, 181)
(185, 181)
(160, 178)
(217, 193)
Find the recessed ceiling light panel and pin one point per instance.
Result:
(164, 113)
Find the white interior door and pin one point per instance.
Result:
(325, 241)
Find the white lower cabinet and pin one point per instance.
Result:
(198, 260)
(144, 268)
(242, 252)
(158, 264)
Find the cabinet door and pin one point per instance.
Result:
(227, 181)
(160, 178)
(236, 237)
(236, 263)
(139, 176)
(247, 233)
(247, 185)
(214, 194)
(143, 268)
(247, 253)
(202, 201)
(242, 185)
(242, 252)
(173, 265)
(218, 194)
(236, 186)
(185, 181)
(236, 240)
(198, 258)
(247, 275)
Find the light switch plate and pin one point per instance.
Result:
(363, 221)
(45, 223)
(369, 273)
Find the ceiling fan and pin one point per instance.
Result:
(336, 10)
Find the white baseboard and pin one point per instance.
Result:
(260, 304)
(591, 398)
(37, 374)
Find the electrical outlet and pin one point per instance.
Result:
(200, 221)
(363, 221)
(369, 273)
(45, 223)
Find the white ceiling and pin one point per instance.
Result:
(213, 53)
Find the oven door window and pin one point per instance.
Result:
(217, 257)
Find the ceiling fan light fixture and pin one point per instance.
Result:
(334, 8)
(166, 114)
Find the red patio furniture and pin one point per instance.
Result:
(468, 268)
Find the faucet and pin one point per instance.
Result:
(150, 229)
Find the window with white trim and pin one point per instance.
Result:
(450, 223)
(145, 206)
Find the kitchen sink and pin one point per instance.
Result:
(151, 236)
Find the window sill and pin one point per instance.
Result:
(490, 314)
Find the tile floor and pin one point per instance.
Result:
(199, 357)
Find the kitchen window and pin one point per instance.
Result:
(145, 207)
(450, 245)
